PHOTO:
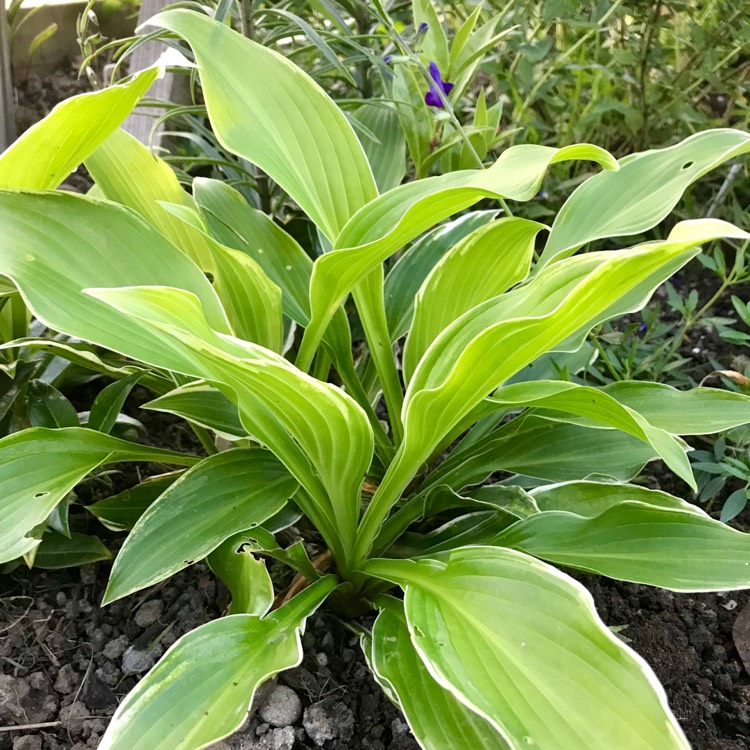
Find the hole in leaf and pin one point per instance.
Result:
(41, 494)
(687, 165)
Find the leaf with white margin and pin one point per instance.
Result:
(521, 644)
(674, 549)
(267, 110)
(204, 405)
(698, 411)
(646, 188)
(128, 173)
(40, 466)
(224, 494)
(395, 218)
(57, 243)
(202, 687)
(320, 434)
(412, 268)
(49, 151)
(486, 346)
(591, 499)
(598, 408)
(437, 719)
(485, 264)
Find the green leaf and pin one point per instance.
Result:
(413, 267)
(245, 576)
(129, 174)
(121, 511)
(265, 109)
(436, 717)
(387, 155)
(593, 498)
(548, 450)
(222, 495)
(58, 551)
(191, 699)
(109, 402)
(316, 430)
(39, 466)
(47, 407)
(521, 644)
(130, 252)
(233, 222)
(50, 150)
(483, 265)
(699, 411)
(598, 408)
(647, 185)
(490, 343)
(204, 405)
(388, 223)
(632, 541)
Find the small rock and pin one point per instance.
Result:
(73, 716)
(67, 680)
(148, 613)
(135, 661)
(28, 742)
(276, 739)
(97, 695)
(282, 708)
(88, 574)
(27, 701)
(115, 648)
(324, 722)
(322, 658)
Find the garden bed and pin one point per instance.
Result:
(67, 662)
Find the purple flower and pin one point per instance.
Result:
(432, 97)
(423, 28)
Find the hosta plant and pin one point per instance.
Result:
(469, 346)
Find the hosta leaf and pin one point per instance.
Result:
(236, 224)
(647, 186)
(109, 402)
(191, 698)
(699, 411)
(123, 510)
(591, 499)
(57, 551)
(632, 541)
(521, 644)
(51, 252)
(413, 267)
(129, 174)
(224, 494)
(265, 109)
(245, 576)
(47, 407)
(39, 466)
(387, 156)
(318, 432)
(599, 408)
(436, 717)
(204, 405)
(490, 343)
(50, 150)
(547, 450)
(483, 265)
(387, 224)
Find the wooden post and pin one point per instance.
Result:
(7, 119)
(169, 88)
